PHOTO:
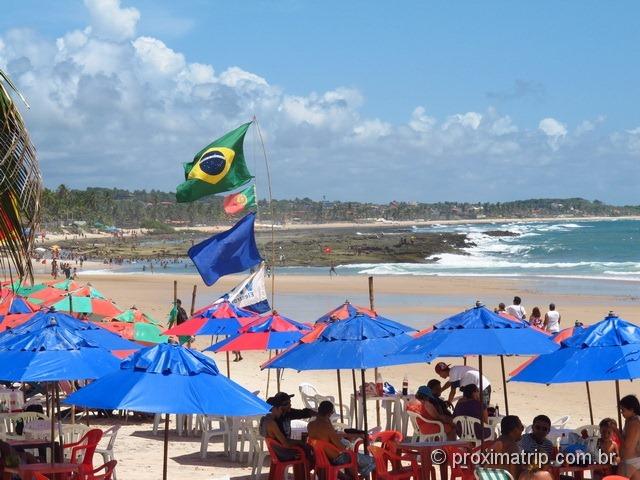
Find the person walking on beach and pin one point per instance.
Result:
(516, 309)
(332, 270)
(552, 319)
(461, 375)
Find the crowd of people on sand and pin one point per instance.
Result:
(618, 449)
(550, 322)
(64, 268)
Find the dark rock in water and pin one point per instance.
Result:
(501, 233)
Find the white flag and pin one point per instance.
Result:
(251, 294)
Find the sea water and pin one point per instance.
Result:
(608, 249)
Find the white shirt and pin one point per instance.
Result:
(553, 321)
(517, 311)
(461, 375)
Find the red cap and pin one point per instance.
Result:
(441, 367)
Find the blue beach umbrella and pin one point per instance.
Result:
(87, 330)
(605, 351)
(479, 331)
(50, 352)
(169, 378)
(356, 338)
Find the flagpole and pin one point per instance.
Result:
(273, 244)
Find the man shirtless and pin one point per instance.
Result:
(322, 429)
(511, 428)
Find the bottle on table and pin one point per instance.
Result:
(564, 442)
(405, 386)
(379, 385)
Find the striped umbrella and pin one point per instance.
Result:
(267, 332)
(133, 324)
(222, 318)
(85, 300)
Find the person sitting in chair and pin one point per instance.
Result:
(322, 429)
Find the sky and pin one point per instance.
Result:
(364, 101)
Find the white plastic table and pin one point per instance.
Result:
(394, 406)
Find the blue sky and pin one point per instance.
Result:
(476, 93)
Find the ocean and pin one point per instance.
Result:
(607, 250)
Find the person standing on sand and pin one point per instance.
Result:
(630, 451)
(332, 271)
(517, 310)
(461, 375)
(552, 319)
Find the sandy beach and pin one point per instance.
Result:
(423, 301)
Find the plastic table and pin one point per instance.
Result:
(27, 472)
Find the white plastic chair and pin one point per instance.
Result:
(560, 422)
(256, 454)
(107, 452)
(208, 432)
(467, 428)
(308, 393)
(440, 435)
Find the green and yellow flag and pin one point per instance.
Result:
(218, 167)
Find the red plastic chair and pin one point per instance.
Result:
(615, 477)
(465, 472)
(108, 468)
(388, 438)
(39, 476)
(278, 468)
(324, 468)
(383, 457)
(82, 451)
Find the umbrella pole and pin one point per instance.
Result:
(589, 399)
(375, 370)
(268, 377)
(375, 381)
(277, 376)
(504, 386)
(340, 395)
(228, 364)
(53, 440)
(364, 411)
(57, 392)
(482, 402)
(618, 403)
(355, 397)
(193, 305)
(166, 446)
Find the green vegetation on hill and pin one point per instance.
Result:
(132, 209)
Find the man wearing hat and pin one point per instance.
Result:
(461, 375)
(270, 428)
(284, 420)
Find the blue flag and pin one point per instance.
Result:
(232, 251)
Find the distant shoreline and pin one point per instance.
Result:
(409, 223)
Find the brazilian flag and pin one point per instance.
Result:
(218, 167)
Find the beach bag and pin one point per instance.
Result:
(388, 389)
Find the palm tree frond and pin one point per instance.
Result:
(20, 185)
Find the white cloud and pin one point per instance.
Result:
(554, 130)
(113, 109)
(156, 55)
(110, 21)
